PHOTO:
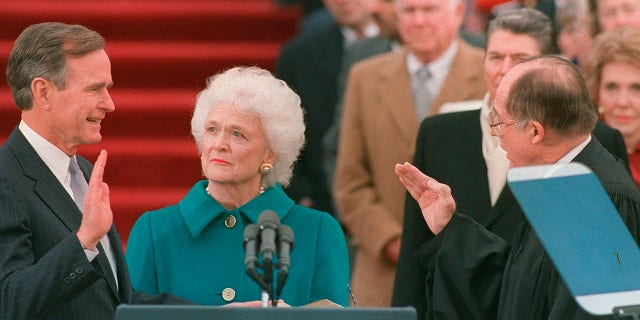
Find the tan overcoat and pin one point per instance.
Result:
(378, 130)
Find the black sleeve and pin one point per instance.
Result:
(468, 263)
(409, 288)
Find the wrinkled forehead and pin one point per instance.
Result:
(607, 4)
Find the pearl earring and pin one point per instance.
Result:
(266, 168)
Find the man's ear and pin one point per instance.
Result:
(537, 132)
(41, 89)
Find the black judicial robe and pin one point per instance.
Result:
(475, 274)
(455, 158)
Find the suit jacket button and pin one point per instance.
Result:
(228, 294)
(230, 221)
(79, 270)
(66, 280)
(73, 276)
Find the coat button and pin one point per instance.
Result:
(66, 280)
(73, 276)
(228, 294)
(79, 270)
(230, 221)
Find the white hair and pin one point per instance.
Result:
(257, 91)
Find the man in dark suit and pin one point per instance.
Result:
(469, 159)
(494, 266)
(384, 14)
(310, 64)
(60, 254)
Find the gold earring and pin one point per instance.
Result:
(266, 168)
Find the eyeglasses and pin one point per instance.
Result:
(495, 125)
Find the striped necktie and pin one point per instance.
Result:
(78, 183)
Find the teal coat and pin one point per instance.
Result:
(187, 250)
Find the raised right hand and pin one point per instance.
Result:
(97, 217)
(434, 198)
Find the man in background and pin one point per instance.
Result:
(310, 64)
(611, 14)
(384, 14)
(386, 98)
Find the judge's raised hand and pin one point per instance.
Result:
(434, 198)
(96, 212)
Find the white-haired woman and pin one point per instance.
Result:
(249, 130)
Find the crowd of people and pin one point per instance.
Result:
(382, 139)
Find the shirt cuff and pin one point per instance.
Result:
(91, 254)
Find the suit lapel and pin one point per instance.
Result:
(121, 263)
(53, 194)
(468, 161)
(47, 187)
(396, 98)
(103, 261)
(504, 202)
(460, 76)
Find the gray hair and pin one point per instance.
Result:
(574, 11)
(41, 51)
(526, 21)
(554, 93)
(257, 91)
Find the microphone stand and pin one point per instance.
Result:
(268, 250)
(251, 243)
(264, 298)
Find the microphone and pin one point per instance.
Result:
(250, 243)
(268, 221)
(285, 245)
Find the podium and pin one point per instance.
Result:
(583, 234)
(173, 312)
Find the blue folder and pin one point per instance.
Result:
(582, 233)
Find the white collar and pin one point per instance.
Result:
(574, 152)
(56, 160)
(350, 35)
(439, 67)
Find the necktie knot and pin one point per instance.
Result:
(423, 74)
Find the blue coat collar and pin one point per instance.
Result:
(198, 209)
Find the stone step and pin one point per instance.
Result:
(152, 64)
(203, 20)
